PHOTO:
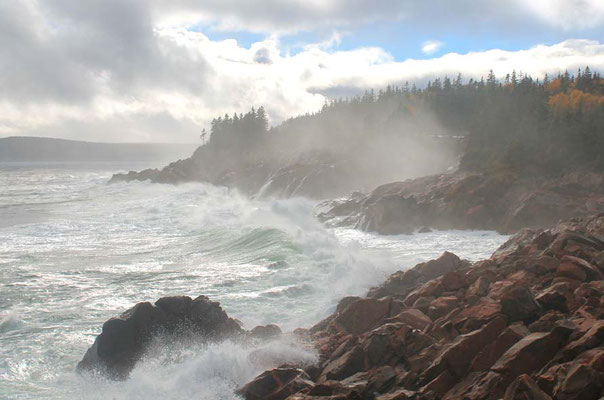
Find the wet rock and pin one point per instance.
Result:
(547, 321)
(459, 354)
(458, 331)
(477, 386)
(581, 383)
(525, 388)
(348, 364)
(485, 359)
(399, 394)
(266, 332)
(477, 315)
(592, 338)
(572, 271)
(555, 297)
(519, 304)
(401, 283)
(442, 306)
(362, 315)
(276, 384)
(124, 339)
(531, 352)
(591, 272)
(413, 318)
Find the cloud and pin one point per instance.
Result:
(290, 16)
(125, 70)
(430, 46)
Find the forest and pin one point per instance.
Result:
(518, 124)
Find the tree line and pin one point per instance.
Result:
(518, 124)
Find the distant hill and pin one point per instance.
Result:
(24, 148)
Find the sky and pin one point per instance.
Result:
(160, 70)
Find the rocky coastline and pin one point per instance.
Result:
(317, 175)
(470, 200)
(527, 323)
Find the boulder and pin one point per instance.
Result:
(413, 318)
(401, 283)
(594, 337)
(519, 304)
(124, 339)
(531, 352)
(485, 359)
(276, 384)
(265, 332)
(348, 364)
(362, 315)
(458, 355)
(555, 297)
(525, 388)
(581, 383)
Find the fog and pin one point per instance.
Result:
(348, 145)
(37, 149)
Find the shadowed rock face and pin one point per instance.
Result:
(515, 326)
(124, 339)
(469, 201)
(315, 175)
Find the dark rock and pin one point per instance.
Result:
(362, 315)
(265, 332)
(485, 359)
(123, 340)
(525, 388)
(581, 383)
(530, 353)
(519, 304)
(276, 384)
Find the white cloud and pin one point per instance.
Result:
(430, 46)
(112, 70)
(567, 14)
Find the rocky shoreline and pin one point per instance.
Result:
(317, 175)
(527, 323)
(467, 200)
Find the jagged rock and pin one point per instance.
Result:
(413, 318)
(525, 388)
(477, 386)
(351, 362)
(547, 321)
(581, 383)
(592, 338)
(276, 384)
(442, 306)
(400, 394)
(123, 340)
(531, 352)
(458, 355)
(401, 283)
(362, 315)
(477, 345)
(591, 272)
(464, 200)
(519, 304)
(555, 297)
(485, 359)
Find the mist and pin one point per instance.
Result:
(349, 145)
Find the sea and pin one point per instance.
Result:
(76, 251)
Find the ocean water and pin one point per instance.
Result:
(75, 251)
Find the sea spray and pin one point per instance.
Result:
(78, 251)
